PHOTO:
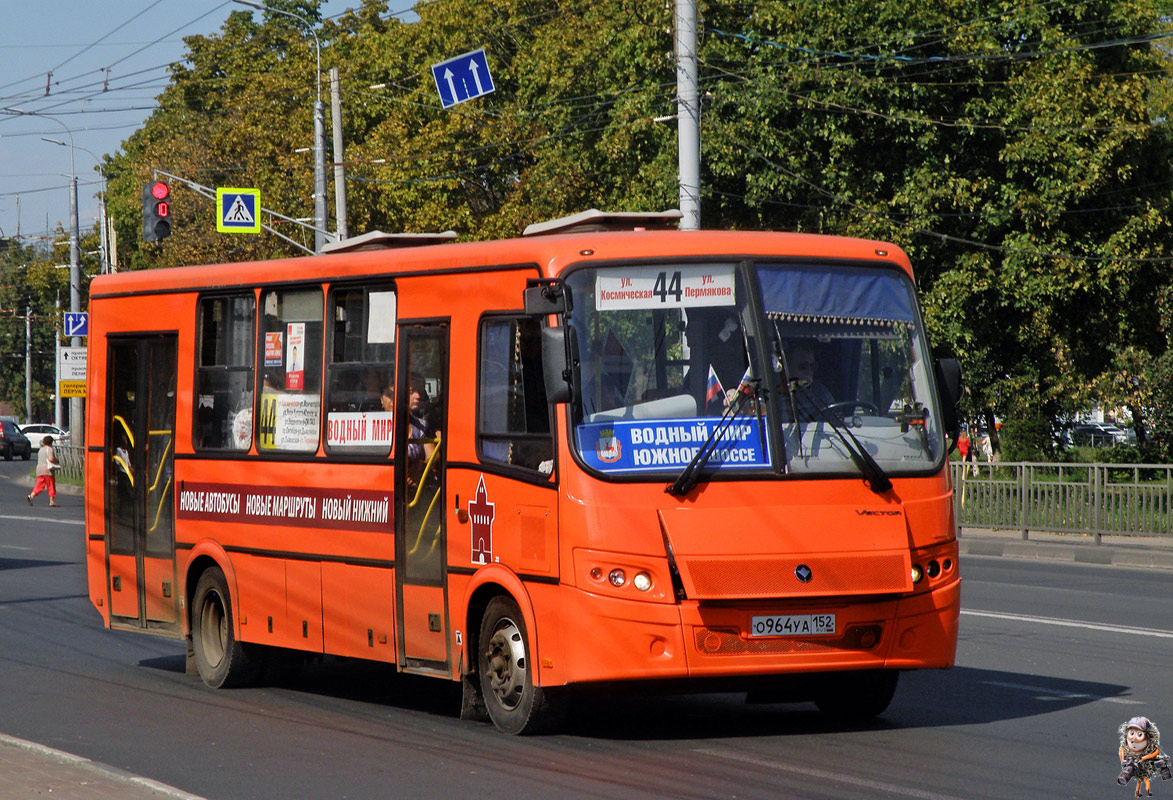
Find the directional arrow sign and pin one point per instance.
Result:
(463, 78)
(77, 323)
(71, 364)
(238, 210)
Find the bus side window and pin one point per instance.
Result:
(224, 402)
(513, 414)
(361, 366)
(291, 359)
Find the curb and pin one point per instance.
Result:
(1011, 545)
(82, 764)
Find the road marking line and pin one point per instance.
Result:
(827, 775)
(27, 518)
(1072, 623)
(1061, 694)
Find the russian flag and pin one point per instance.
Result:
(715, 392)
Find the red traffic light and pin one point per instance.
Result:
(156, 211)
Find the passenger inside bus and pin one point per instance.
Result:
(420, 436)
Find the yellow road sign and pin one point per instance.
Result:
(72, 389)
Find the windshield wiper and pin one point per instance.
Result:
(691, 473)
(873, 473)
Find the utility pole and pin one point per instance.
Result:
(28, 365)
(57, 370)
(76, 404)
(339, 166)
(688, 116)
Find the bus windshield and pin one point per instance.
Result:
(829, 364)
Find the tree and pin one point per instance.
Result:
(29, 287)
(1011, 151)
(1018, 153)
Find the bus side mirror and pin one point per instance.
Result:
(544, 296)
(557, 373)
(948, 374)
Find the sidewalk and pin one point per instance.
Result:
(1146, 552)
(28, 769)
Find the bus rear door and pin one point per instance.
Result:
(139, 451)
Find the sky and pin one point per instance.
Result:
(103, 63)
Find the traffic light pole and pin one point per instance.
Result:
(210, 193)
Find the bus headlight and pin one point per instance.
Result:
(918, 574)
(642, 581)
(617, 577)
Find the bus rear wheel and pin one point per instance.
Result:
(514, 703)
(222, 661)
(857, 695)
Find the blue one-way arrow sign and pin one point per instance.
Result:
(77, 323)
(463, 78)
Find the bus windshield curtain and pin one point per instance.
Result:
(835, 294)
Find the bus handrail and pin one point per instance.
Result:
(427, 465)
(130, 436)
(120, 461)
(419, 537)
(159, 507)
(432, 459)
(162, 461)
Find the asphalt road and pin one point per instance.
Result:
(1052, 658)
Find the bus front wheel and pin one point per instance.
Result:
(222, 661)
(514, 703)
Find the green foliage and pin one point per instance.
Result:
(1016, 151)
(30, 287)
(1027, 439)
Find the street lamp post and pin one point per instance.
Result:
(105, 253)
(319, 128)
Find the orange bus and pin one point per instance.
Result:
(602, 452)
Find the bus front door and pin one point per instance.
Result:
(421, 407)
(140, 508)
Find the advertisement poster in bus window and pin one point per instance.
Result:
(288, 422)
(633, 446)
(635, 288)
(359, 429)
(295, 366)
(273, 349)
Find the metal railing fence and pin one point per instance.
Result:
(1097, 499)
(72, 459)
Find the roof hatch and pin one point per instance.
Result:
(595, 220)
(377, 240)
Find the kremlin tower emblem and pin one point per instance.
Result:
(481, 513)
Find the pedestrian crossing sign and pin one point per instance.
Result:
(238, 210)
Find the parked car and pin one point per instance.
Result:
(1100, 434)
(13, 442)
(37, 431)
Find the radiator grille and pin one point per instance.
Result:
(870, 573)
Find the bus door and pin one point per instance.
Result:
(421, 407)
(140, 508)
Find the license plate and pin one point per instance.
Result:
(793, 625)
